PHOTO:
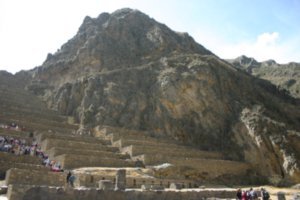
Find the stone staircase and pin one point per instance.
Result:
(157, 151)
(23, 108)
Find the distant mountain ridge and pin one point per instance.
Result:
(126, 70)
(285, 76)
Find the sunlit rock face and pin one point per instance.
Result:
(124, 69)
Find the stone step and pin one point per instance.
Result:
(32, 118)
(9, 157)
(116, 131)
(15, 92)
(32, 103)
(71, 161)
(140, 135)
(35, 177)
(156, 159)
(49, 143)
(72, 137)
(19, 98)
(22, 102)
(35, 125)
(13, 106)
(13, 110)
(123, 131)
(165, 150)
(166, 144)
(6, 165)
(210, 165)
(56, 151)
(207, 169)
(16, 133)
(115, 137)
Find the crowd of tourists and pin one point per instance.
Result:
(12, 126)
(20, 147)
(16, 146)
(252, 194)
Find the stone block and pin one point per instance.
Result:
(56, 151)
(280, 195)
(157, 187)
(8, 157)
(176, 186)
(71, 161)
(121, 179)
(49, 143)
(3, 190)
(4, 166)
(145, 187)
(34, 177)
(106, 185)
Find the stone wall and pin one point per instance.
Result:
(159, 158)
(147, 142)
(49, 143)
(16, 191)
(34, 177)
(19, 159)
(55, 151)
(18, 134)
(214, 167)
(118, 131)
(70, 137)
(4, 166)
(91, 180)
(70, 161)
(135, 150)
(47, 193)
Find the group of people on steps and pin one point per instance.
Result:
(252, 194)
(20, 147)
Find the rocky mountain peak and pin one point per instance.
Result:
(285, 76)
(269, 62)
(245, 61)
(122, 39)
(4, 73)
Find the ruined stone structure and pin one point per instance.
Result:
(111, 152)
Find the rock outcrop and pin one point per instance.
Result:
(124, 69)
(285, 76)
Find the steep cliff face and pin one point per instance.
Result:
(285, 76)
(127, 70)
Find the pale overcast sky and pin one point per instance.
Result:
(263, 29)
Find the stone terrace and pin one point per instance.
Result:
(23, 108)
(156, 151)
(108, 150)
